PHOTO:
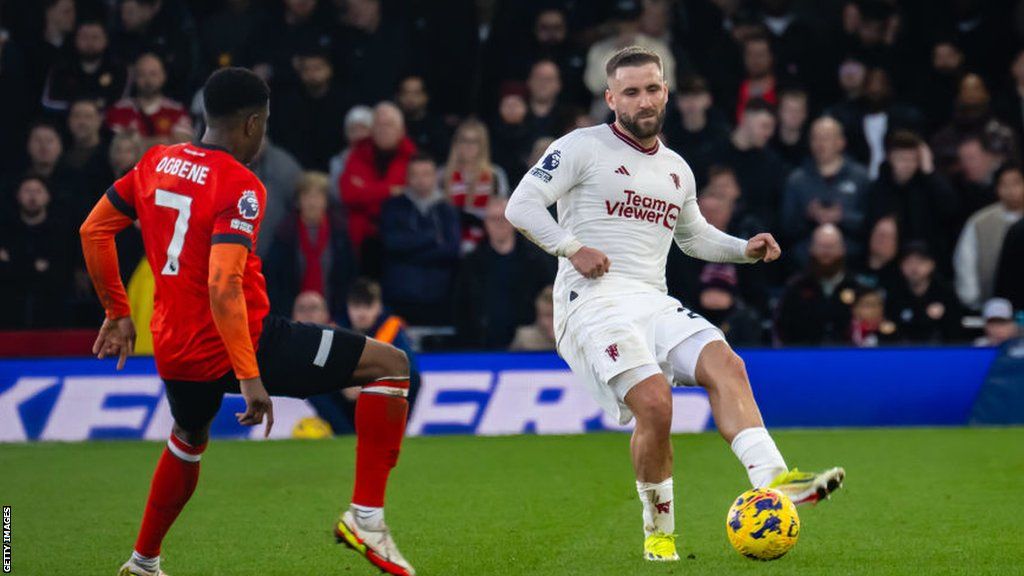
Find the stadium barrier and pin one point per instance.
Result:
(507, 393)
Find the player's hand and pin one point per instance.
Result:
(257, 405)
(763, 247)
(590, 262)
(116, 338)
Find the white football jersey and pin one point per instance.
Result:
(622, 199)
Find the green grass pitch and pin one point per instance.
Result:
(916, 501)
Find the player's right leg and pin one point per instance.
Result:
(193, 405)
(302, 360)
(650, 401)
(723, 374)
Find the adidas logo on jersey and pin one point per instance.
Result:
(622, 170)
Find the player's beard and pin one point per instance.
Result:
(632, 124)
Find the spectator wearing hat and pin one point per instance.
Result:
(815, 306)
(540, 335)
(358, 125)
(1000, 325)
(719, 302)
(977, 251)
(923, 306)
(307, 119)
(1010, 273)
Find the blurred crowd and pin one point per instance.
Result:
(879, 140)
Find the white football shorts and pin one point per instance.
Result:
(614, 343)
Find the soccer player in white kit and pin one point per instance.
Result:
(622, 198)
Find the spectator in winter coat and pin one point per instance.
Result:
(375, 171)
(977, 251)
(498, 283)
(915, 194)
(310, 250)
(829, 189)
(420, 236)
(815, 308)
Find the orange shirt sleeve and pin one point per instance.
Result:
(227, 304)
(97, 235)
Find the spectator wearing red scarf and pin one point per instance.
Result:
(470, 179)
(375, 171)
(310, 251)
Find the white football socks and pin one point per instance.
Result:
(148, 564)
(368, 516)
(659, 513)
(759, 456)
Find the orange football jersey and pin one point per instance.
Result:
(188, 197)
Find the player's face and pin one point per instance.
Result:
(637, 95)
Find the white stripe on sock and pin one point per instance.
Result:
(181, 454)
(326, 338)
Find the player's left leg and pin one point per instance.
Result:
(723, 374)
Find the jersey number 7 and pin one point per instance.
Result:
(183, 204)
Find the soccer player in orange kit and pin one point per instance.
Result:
(200, 210)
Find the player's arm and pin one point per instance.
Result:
(117, 335)
(541, 187)
(227, 305)
(701, 240)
